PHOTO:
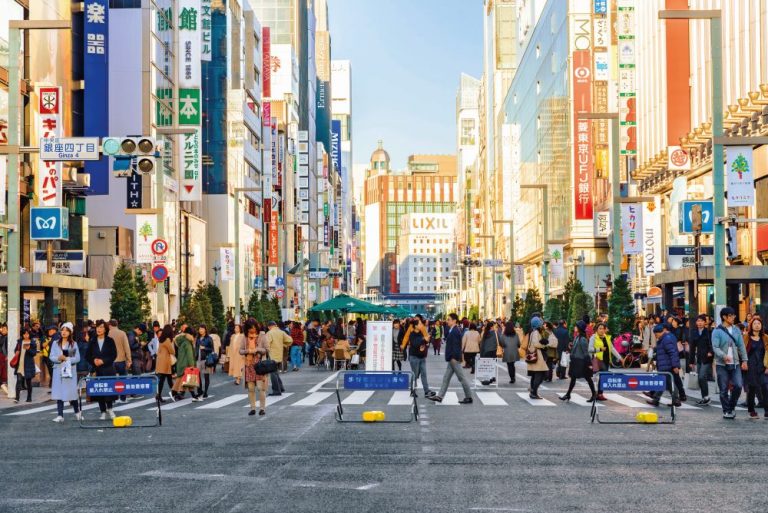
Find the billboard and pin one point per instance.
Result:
(96, 91)
(583, 163)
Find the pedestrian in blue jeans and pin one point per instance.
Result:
(728, 346)
(297, 335)
(417, 339)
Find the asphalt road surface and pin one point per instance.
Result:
(502, 453)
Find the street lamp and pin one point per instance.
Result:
(545, 229)
(13, 150)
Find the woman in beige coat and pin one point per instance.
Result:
(470, 347)
(538, 339)
(166, 352)
(236, 360)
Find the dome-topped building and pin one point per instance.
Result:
(380, 159)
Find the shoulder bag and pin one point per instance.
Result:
(265, 366)
(531, 357)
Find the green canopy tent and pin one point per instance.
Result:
(347, 304)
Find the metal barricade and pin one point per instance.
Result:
(106, 386)
(402, 381)
(633, 382)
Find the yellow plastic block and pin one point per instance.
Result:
(647, 417)
(373, 416)
(124, 421)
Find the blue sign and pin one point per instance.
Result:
(121, 385)
(636, 382)
(601, 6)
(258, 282)
(377, 381)
(49, 223)
(279, 282)
(96, 92)
(707, 216)
(336, 143)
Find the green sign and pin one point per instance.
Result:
(189, 107)
(164, 107)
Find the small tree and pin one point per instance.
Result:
(217, 306)
(531, 305)
(254, 306)
(474, 313)
(621, 308)
(581, 305)
(553, 310)
(572, 286)
(123, 301)
(517, 309)
(197, 309)
(142, 295)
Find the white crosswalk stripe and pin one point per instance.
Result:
(358, 397)
(272, 399)
(450, 399)
(625, 401)
(491, 399)
(401, 398)
(313, 399)
(581, 400)
(223, 402)
(534, 402)
(135, 404)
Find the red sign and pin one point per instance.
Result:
(279, 293)
(50, 98)
(159, 247)
(159, 273)
(266, 63)
(583, 163)
(119, 386)
(273, 241)
(632, 382)
(266, 114)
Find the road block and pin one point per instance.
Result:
(618, 382)
(376, 381)
(105, 386)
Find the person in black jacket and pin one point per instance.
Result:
(101, 354)
(453, 357)
(563, 343)
(701, 356)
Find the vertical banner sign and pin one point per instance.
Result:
(49, 174)
(625, 10)
(3, 182)
(190, 157)
(652, 237)
(582, 148)
(273, 238)
(741, 180)
(273, 149)
(379, 346)
(189, 43)
(631, 229)
(556, 265)
(146, 233)
(336, 143)
(133, 191)
(519, 276)
(266, 63)
(227, 263)
(96, 92)
(205, 33)
(602, 223)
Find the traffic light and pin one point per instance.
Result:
(732, 244)
(140, 149)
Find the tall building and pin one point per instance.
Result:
(428, 185)
(426, 253)
(341, 152)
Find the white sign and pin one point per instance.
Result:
(492, 262)
(740, 173)
(71, 263)
(486, 370)
(519, 276)
(602, 223)
(317, 275)
(189, 43)
(679, 159)
(556, 265)
(631, 229)
(602, 71)
(205, 33)
(379, 346)
(69, 148)
(681, 257)
(48, 186)
(146, 233)
(652, 237)
(271, 277)
(190, 156)
(227, 263)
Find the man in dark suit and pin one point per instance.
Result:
(101, 354)
(453, 357)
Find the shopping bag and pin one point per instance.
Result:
(191, 378)
(355, 359)
(565, 359)
(66, 369)
(692, 381)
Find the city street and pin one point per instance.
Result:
(499, 454)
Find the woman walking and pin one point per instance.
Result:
(510, 341)
(600, 349)
(756, 342)
(253, 348)
(166, 353)
(397, 339)
(24, 364)
(236, 360)
(538, 340)
(65, 356)
(437, 337)
(581, 362)
(297, 335)
(185, 359)
(203, 348)
(101, 354)
(470, 346)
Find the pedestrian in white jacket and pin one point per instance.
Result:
(65, 356)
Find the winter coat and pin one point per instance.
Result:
(107, 354)
(64, 389)
(580, 366)
(535, 343)
(203, 347)
(236, 360)
(563, 339)
(164, 352)
(511, 345)
(700, 346)
(667, 355)
(29, 370)
(490, 343)
(185, 354)
(453, 344)
(470, 342)
(755, 375)
(277, 340)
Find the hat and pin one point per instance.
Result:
(51, 327)
(536, 322)
(582, 326)
(69, 326)
(659, 328)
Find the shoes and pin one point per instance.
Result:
(535, 396)
(79, 416)
(683, 398)
(237, 382)
(565, 398)
(272, 394)
(435, 398)
(648, 394)
(466, 400)
(103, 416)
(752, 416)
(172, 397)
(205, 396)
(677, 404)
(196, 399)
(429, 394)
(4, 388)
(601, 397)
(262, 412)
(111, 414)
(511, 381)
(282, 390)
(59, 419)
(28, 401)
(295, 369)
(703, 401)
(252, 413)
(655, 404)
(729, 415)
(765, 415)
(485, 382)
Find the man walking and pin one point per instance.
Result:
(702, 355)
(728, 346)
(453, 357)
(123, 361)
(276, 341)
(667, 360)
(563, 342)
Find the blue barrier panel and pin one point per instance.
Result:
(121, 385)
(639, 382)
(376, 381)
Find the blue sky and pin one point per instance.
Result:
(406, 56)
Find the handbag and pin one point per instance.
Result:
(191, 378)
(499, 349)
(265, 366)
(15, 360)
(595, 364)
(211, 360)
